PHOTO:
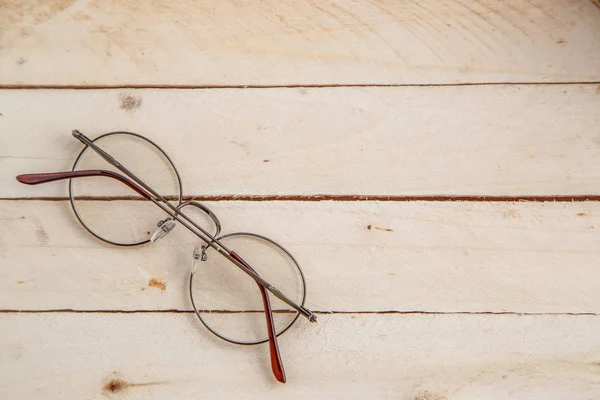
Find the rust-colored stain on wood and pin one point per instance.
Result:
(369, 227)
(157, 283)
(117, 385)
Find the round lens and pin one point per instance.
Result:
(110, 210)
(229, 302)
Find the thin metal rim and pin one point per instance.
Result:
(76, 162)
(250, 343)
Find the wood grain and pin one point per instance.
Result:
(492, 140)
(357, 256)
(417, 300)
(214, 43)
(158, 356)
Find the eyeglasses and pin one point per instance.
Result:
(213, 283)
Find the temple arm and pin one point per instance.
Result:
(36, 179)
(276, 363)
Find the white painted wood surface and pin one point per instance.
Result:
(505, 294)
(480, 140)
(297, 42)
(423, 256)
(158, 356)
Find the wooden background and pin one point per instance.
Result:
(432, 165)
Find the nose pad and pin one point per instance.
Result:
(164, 227)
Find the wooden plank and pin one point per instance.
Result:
(68, 42)
(429, 256)
(158, 356)
(493, 140)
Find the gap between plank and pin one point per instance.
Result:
(332, 197)
(288, 86)
(392, 312)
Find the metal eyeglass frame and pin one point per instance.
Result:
(175, 214)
